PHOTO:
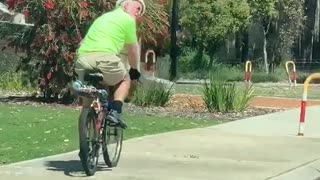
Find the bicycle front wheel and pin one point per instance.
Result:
(112, 144)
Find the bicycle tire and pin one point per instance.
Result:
(112, 159)
(88, 115)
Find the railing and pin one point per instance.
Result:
(294, 73)
(304, 102)
(151, 67)
(248, 72)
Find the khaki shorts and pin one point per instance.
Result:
(111, 66)
(124, 59)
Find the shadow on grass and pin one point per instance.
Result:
(72, 168)
(20, 99)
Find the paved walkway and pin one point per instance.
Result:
(263, 147)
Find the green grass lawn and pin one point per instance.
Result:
(28, 132)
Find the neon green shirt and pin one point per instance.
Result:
(109, 33)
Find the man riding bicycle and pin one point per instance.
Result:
(98, 52)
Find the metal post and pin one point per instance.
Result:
(294, 73)
(304, 102)
(248, 72)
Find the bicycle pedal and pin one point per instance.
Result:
(123, 126)
(112, 124)
(116, 123)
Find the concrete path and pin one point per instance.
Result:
(263, 147)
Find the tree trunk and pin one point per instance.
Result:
(211, 61)
(212, 50)
(273, 60)
(265, 55)
(238, 46)
(245, 45)
(211, 54)
(198, 60)
(266, 27)
(300, 44)
(311, 48)
(316, 22)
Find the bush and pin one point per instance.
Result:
(301, 77)
(223, 96)
(260, 77)
(163, 67)
(222, 72)
(279, 74)
(192, 61)
(152, 94)
(197, 74)
(12, 81)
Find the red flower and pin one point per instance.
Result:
(43, 82)
(26, 14)
(49, 75)
(84, 13)
(84, 4)
(49, 5)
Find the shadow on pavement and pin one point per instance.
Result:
(72, 168)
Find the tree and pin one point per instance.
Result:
(282, 20)
(210, 21)
(154, 28)
(291, 23)
(264, 11)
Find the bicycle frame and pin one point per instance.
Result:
(96, 105)
(101, 112)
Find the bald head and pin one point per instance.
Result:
(127, 4)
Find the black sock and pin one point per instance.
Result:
(117, 105)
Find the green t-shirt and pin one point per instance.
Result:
(109, 33)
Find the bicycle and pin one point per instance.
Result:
(95, 129)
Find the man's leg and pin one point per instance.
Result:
(120, 93)
(115, 74)
(124, 58)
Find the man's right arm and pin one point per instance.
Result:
(132, 44)
(133, 55)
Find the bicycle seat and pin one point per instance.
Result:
(93, 78)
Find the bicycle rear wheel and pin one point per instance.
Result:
(112, 143)
(89, 145)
